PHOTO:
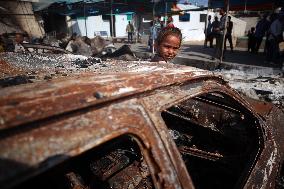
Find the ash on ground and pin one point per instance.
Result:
(265, 84)
(22, 68)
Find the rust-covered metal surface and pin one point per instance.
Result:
(39, 100)
(264, 171)
(50, 142)
(62, 107)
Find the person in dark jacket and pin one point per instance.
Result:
(228, 35)
(251, 40)
(260, 30)
(208, 33)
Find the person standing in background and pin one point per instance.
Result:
(130, 31)
(260, 30)
(19, 39)
(219, 38)
(208, 33)
(229, 34)
(251, 40)
(215, 28)
(275, 37)
(152, 36)
(170, 22)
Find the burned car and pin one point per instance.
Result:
(138, 125)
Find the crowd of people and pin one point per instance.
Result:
(271, 27)
(216, 29)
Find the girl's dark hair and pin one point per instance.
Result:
(168, 31)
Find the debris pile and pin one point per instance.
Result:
(34, 67)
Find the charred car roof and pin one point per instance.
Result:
(106, 81)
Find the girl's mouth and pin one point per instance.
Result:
(169, 57)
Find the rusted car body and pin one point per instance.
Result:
(151, 126)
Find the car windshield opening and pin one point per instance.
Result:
(218, 139)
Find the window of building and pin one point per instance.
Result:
(203, 17)
(184, 18)
(106, 17)
(217, 138)
(117, 164)
(129, 17)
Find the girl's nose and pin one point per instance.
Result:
(171, 50)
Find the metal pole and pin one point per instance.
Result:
(153, 40)
(206, 24)
(111, 20)
(85, 19)
(166, 13)
(225, 31)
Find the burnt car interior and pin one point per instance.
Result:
(280, 179)
(117, 164)
(218, 139)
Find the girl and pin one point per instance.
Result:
(167, 44)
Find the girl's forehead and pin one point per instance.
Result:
(171, 38)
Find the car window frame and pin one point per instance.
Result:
(185, 91)
(160, 168)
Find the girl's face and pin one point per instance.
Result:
(169, 47)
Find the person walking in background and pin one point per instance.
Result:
(228, 35)
(251, 40)
(260, 31)
(208, 33)
(130, 31)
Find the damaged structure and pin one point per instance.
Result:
(118, 124)
(18, 16)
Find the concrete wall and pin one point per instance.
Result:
(22, 13)
(251, 21)
(194, 29)
(120, 25)
(239, 28)
(96, 23)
